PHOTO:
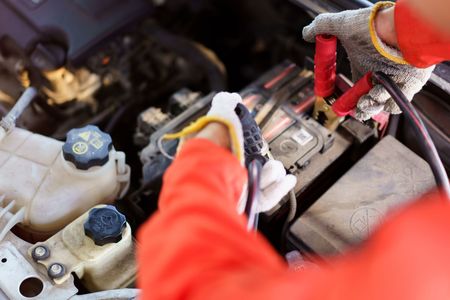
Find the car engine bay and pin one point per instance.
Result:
(100, 82)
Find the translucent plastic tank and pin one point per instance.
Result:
(45, 183)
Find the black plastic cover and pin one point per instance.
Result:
(87, 147)
(77, 25)
(104, 225)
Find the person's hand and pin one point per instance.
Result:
(223, 110)
(275, 184)
(221, 125)
(367, 52)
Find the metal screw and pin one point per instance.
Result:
(56, 270)
(40, 253)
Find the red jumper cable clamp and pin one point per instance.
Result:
(329, 110)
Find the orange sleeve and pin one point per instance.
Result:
(421, 44)
(197, 247)
(197, 236)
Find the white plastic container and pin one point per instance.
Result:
(106, 267)
(47, 191)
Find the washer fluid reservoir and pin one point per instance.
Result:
(45, 184)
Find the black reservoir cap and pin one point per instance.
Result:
(87, 147)
(104, 225)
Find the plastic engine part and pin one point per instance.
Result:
(75, 26)
(87, 147)
(105, 225)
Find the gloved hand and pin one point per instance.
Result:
(366, 52)
(275, 184)
(222, 111)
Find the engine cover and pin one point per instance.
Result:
(73, 25)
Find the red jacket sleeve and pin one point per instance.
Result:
(197, 236)
(421, 44)
(197, 247)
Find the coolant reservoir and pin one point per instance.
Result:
(46, 183)
(97, 246)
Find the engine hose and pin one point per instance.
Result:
(9, 121)
(188, 50)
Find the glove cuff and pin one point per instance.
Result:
(384, 50)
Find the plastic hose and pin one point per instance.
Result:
(9, 121)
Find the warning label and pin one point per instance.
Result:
(85, 135)
(96, 143)
(80, 148)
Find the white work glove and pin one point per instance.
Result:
(275, 184)
(222, 111)
(223, 108)
(366, 52)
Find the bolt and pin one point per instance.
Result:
(56, 270)
(40, 253)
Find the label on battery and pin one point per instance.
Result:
(302, 137)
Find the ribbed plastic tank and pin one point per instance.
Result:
(51, 187)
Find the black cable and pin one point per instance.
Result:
(392, 129)
(254, 193)
(425, 142)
